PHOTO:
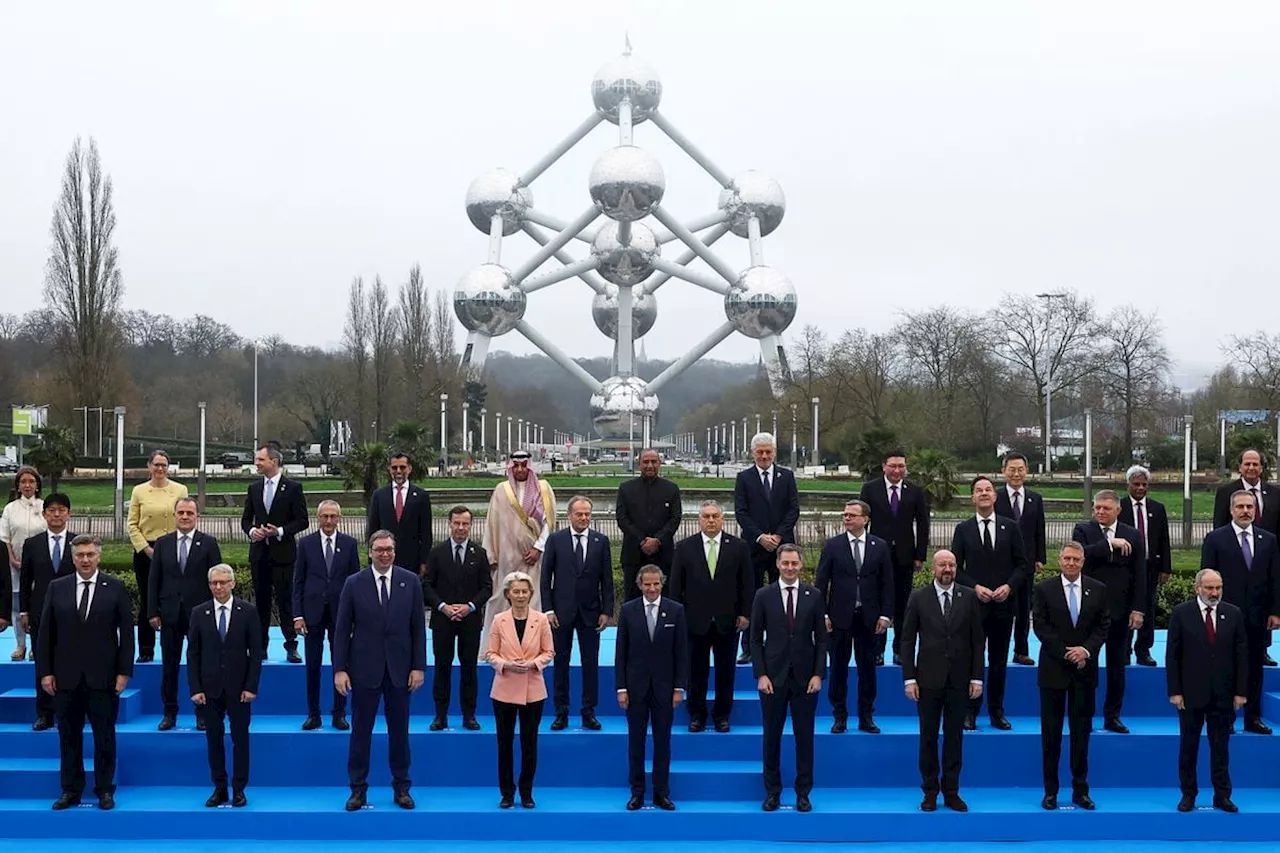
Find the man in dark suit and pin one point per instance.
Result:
(766, 505)
(1266, 515)
(651, 665)
(1247, 559)
(712, 576)
(180, 564)
(85, 661)
(899, 516)
(577, 596)
(1072, 623)
(380, 654)
(405, 510)
(648, 513)
(1025, 507)
(223, 668)
(1206, 658)
(990, 559)
(45, 556)
(789, 661)
(1149, 518)
(324, 561)
(944, 676)
(1115, 555)
(457, 588)
(275, 512)
(855, 578)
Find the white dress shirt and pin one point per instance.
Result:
(65, 544)
(275, 496)
(1066, 595)
(938, 591)
(93, 589)
(377, 582)
(217, 612)
(782, 590)
(991, 526)
(706, 545)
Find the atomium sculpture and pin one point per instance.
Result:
(625, 266)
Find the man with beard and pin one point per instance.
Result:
(648, 513)
(405, 510)
(522, 514)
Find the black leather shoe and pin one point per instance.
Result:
(146, 657)
(1145, 659)
(439, 724)
(217, 798)
(970, 722)
(404, 801)
(1113, 724)
(840, 726)
(722, 726)
(107, 802)
(1187, 803)
(560, 723)
(930, 802)
(42, 724)
(635, 803)
(239, 800)
(664, 803)
(1024, 660)
(264, 655)
(697, 725)
(1257, 727)
(1001, 722)
(166, 723)
(526, 801)
(292, 656)
(868, 725)
(953, 802)
(199, 723)
(744, 658)
(1050, 802)
(770, 803)
(1225, 804)
(356, 801)
(471, 724)
(66, 801)
(1267, 660)
(507, 801)
(803, 804)
(590, 722)
(1084, 801)
(311, 724)
(340, 722)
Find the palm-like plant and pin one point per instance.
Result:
(935, 471)
(364, 467)
(413, 438)
(55, 455)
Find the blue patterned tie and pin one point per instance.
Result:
(1073, 604)
(222, 622)
(268, 494)
(57, 554)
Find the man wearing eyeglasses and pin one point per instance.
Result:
(405, 510)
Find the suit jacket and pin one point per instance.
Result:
(95, 650)
(412, 531)
(505, 646)
(1051, 620)
(842, 585)
(169, 587)
(758, 514)
(1031, 523)
(1270, 520)
(566, 591)
(661, 663)
(907, 532)
(38, 571)
(1204, 675)
(315, 587)
(1125, 576)
(711, 601)
(288, 512)
(369, 641)
(1256, 590)
(1006, 563)
(218, 667)
(778, 652)
(1159, 558)
(950, 651)
(648, 509)
(446, 584)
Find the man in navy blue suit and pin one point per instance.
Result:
(855, 577)
(405, 510)
(325, 560)
(1026, 507)
(275, 512)
(767, 507)
(577, 596)
(380, 653)
(651, 665)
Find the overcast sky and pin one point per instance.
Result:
(265, 153)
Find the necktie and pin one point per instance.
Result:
(399, 502)
(1017, 506)
(182, 553)
(457, 555)
(1245, 550)
(768, 490)
(791, 608)
(1257, 503)
(386, 594)
(268, 493)
(857, 570)
(328, 554)
(84, 600)
(222, 621)
(893, 499)
(713, 555)
(986, 535)
(1209, 628)
(1073, 603)
(946, 605)
(57, 554)
(580, 553)
(652, 607)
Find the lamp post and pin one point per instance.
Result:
(1088, 461)
(774, 430)
(484, 420)
(200, 486)
(119, 514)
(816, 457)
(1048, 394)
(510, 446)
(1187, 421)
(497, 437)
(444, 432)
(466, 427)
(795, 428)
(255, 394)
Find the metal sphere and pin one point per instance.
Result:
(488, 300)
(761, 303)
(604, 310)
(496, 192)
(753, 194)
(618, 400)
(627, 183)
(629, 264)
(626, 78)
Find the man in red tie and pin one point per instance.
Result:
(405, 510)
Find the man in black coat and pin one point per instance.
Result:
(1115, 555)
(223, 669)
(275, 512)
(712, 577)
(651, 667)
(991, 559)
(1025, 507)
(1148, 517)
(899, 516)
(855, 578)
(788, 660)
(943, 676)
(1206, 658)
(85, 661)
(39, 569)
(1266, 515)
(1072, 623)
(648, 513)
(458, 584)
(405, 510)
(180, 563)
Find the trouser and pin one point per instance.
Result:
(997, 622)
(1256, 636)
(1190, 722)
(464, 637)
(643, 710)
(903, 575)
(788, 693)
(945, 707)
(364, 709)
(19, 636)
(588, 652)
(142, 574)
(1077, 703)
(72, 706)
(172, 635)
(274, 580)
(722, 646)
(314, 646)
(505, 717)
(763, 565)
(861, 643)
(44, 702)
(238, 713)
(1145, 636)
(1117, 659)
(1022, 613)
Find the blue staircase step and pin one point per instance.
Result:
(18, 705)
(20, 777)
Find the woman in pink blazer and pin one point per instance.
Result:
(520, 648)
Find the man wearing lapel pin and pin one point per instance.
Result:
(45, 556)
(405, 510)
(1025, 507)
(944, 676)
(458, 585)
(1266, 513)
(1072, 624)
(85, 661)
(274, 514)
(577, 596)
(1149, 518)
(789, 661)
(651, 665)
(180, 563)
(325, 560)
(223, 668)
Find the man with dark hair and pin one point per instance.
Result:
(405, 510)
(45, 556)
(899, 516)
(275, 512)
(1266, 512)
(1026, 508)
(648, 513)
(1149, 518)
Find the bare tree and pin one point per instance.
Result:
(10, 325)
(444, 351)
(935, 345)
(355, 342)
(314, 398)
(83, 283)
(1136, 367)
(1258, 358)
(202, 336)
(415, 339)
(383, 329)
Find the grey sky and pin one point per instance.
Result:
(265, 153)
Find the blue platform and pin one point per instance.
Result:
(867, 786)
